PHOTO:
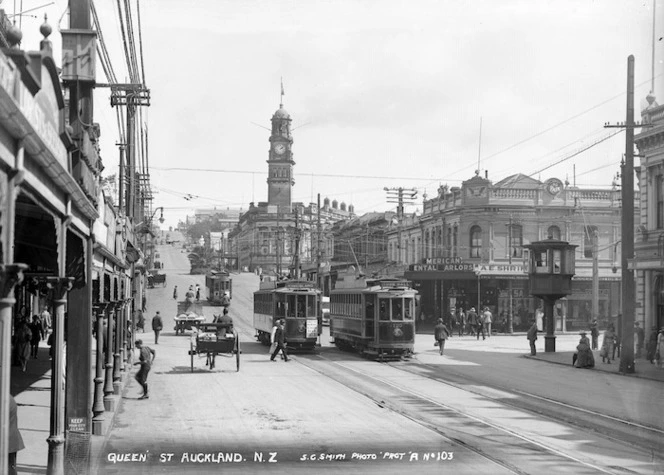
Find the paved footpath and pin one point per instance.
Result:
(32, 388)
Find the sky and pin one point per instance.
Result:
(382, 93)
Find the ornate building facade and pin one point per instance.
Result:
(649, 236)
(466, 249)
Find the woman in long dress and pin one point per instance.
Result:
(23, 338)
(584, 358)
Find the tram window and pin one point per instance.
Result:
(397, 309)
(311, 306)
(383, 310)
(301, 305)
(281, 305)
(408, 309)
(370, 305)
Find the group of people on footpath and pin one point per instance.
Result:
(472, 322)
(27, 335)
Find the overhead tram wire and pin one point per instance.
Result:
(326, 175)
(578, 152)
(576, 116)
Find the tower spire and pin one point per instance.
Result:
(281, 101)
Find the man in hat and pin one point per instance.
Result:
(157, 326)
(594, 333)
(280, 340)
(441, 333)
(473, 320)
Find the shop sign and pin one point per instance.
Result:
(441, 260)
(458, 267)
(42, 112)
(500, 269)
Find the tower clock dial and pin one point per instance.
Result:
(279, 148)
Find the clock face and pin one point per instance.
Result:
(279, 148)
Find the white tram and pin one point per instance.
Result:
(375, 316)
(298, 303)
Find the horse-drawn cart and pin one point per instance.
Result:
(188, 316)
(155, 278)
(212, 339)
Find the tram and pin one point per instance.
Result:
(374, 316)
(295, 301)
(218, 287)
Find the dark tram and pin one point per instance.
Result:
(374, 316)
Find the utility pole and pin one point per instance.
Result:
(296, 256)
(318, 250)
(400, 196)
(595, 284)
(510, 317)
(626, 319)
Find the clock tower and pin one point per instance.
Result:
(280, 161)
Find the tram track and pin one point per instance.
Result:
(622, 431)
(419, 404)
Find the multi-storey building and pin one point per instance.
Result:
(466, 249)
(649, 236)
(279, 235)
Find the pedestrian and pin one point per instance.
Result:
(145, 359)
(608, 343)
(639, 340)
(464, 322)
(198, 293)
(157, 326)
(140, 323)
(280, 340)
(651, 345)
(480, 326)
(46, 321)
(617, 342)
(441, 333)
(15, 439)
(532, 338)
(583, 358)
(175, 292)
(594, 334)
(23, 338)
(488, 319)
(225, 300)
(472, 321)
(37, 334)
(659, 352)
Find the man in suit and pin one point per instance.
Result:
(280, 340)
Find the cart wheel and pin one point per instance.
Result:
(191, 352)
(237, 353)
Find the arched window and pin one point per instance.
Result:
(475, 241)
(516, 240)
(553, 232)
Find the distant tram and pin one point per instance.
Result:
(298, 303)
(374, 316)
(218, 284)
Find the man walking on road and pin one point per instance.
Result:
(532, 338)
(147, 356)
(441, 333)
(157, 326)
(472, 321)
(280, 340)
